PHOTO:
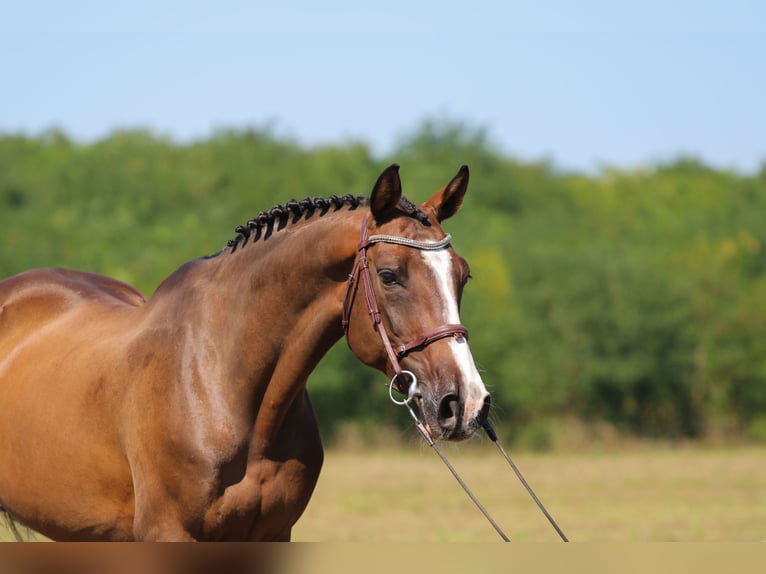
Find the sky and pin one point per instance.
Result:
(585, 84)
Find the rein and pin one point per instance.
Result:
(395, 353)
(413, 396)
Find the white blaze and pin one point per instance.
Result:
(440, 263)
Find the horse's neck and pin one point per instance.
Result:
(251, 325)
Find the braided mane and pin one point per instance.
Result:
(266, 222)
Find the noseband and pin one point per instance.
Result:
(362, 268)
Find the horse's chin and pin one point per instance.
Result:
(457, 434)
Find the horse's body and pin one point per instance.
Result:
(185, 415)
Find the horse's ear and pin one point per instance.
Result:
(387, 192)
(446, 202)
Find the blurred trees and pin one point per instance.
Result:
(634, 298)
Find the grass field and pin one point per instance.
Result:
(639, 494)
(633, 494)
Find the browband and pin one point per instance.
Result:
(417, 244)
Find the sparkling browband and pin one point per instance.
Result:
(426, 245)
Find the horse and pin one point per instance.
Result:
(185, 416)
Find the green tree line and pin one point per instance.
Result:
(628, 298)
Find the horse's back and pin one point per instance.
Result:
(66, 286)
(58, 326)
(60, 336)
(35, 299)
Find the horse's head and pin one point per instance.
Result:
(416, 281)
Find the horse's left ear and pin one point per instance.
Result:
(446, 202)
(387, 192)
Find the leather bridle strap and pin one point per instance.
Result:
(448, 330)
(362, 269)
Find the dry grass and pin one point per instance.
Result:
(636, 494)
(684, 494)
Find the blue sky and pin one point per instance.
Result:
(582, 83)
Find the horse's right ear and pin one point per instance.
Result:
(387, 192)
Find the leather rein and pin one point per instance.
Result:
(362, 269)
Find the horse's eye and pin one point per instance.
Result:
(388, 277)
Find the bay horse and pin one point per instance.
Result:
(185, 416)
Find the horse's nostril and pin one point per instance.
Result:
(449, 412)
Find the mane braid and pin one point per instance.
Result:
(413, 211)
(278, 217)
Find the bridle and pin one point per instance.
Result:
(395, 352)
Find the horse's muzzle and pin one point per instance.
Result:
(455, 419)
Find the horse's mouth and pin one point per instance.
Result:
(450, 432)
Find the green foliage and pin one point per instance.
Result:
(633, 298)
